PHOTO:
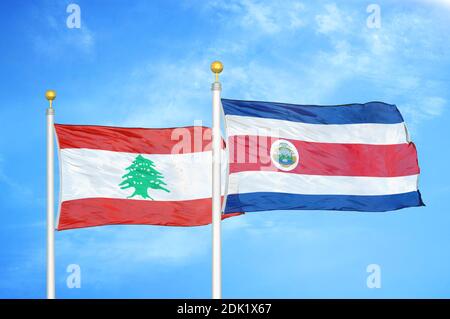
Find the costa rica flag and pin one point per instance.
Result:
(355, 157)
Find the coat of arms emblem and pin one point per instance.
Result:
(284, 155)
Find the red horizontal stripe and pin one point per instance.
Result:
(252, 153)
(135, 140)
(91, 212)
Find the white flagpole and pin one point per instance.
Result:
(50, 95)
(216, 68)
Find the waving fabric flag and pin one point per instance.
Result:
(113, 175)
(350, 157)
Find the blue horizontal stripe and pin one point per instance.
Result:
(372, 112)
(252, 202)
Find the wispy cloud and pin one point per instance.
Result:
(59, 42)
(443, 3)
(425, 108)
(168, 93)
(18, 191)
(53, 37)
(332, 20)
(266, 17)
(134, 244)
(392, 62)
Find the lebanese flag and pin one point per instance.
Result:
(114, 175)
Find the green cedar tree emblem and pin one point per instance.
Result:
(142, 175)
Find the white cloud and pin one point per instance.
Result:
(131, 246)
(434, 105)
(272, 17)
(167, 94)
(58, 39)
(388, 60)
(333, 20)
(444, 3)
(424, 108)
(267, 17)
(134, 244)
(18, 190)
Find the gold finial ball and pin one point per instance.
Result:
(216, 67)
(50, 95)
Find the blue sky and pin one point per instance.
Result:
(146, 63)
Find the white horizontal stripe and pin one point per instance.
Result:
(87, 173)
(320, 133)
(262, 181)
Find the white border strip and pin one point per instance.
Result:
(280, 182)
(381, 134)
